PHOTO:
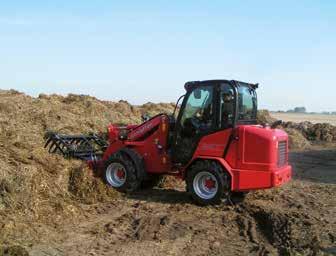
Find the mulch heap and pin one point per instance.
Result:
(302, 135)
(36, 186)
(314, 132)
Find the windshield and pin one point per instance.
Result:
(247, 104)
(199, 105)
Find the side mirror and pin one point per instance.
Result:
(198, 94)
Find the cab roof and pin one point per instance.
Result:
(189, 85)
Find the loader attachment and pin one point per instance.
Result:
(84, 147)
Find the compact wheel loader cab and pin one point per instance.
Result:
(214, 144)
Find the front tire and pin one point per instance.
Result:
(121, 173)
(207, 183)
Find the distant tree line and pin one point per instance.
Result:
(300, 110)
(297, 110)
(303, 110)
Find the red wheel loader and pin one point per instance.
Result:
(214, 143)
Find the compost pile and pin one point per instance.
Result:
(39, 187)
(55, 206)
(302, 135)
(314, 132)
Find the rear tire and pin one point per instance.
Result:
(207, 183)
(122, 173)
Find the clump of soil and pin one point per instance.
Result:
(286, 231)
(87, 188)
(13, 251)
(296, 139)
(264, 117)
(149, 228)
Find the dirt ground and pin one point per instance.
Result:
(53, 206)
(297, 219)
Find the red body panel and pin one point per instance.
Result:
(152, 148)
(251, 158)
(213, 144)
(258, 148)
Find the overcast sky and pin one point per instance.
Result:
(145, 50)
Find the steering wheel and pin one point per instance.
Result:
(191, 126)
(196, 123)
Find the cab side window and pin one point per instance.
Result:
(198, 112)
(226, 110)
(247, 104)
(197, 120)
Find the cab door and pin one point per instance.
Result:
(206, 122)
(221, 139)
(196, 119)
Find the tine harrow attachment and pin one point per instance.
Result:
(84, 147)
